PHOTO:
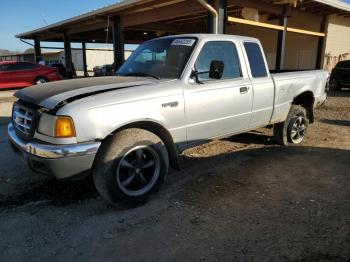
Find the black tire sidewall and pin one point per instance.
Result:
(282, 131)
(108, 158)
(43, 78)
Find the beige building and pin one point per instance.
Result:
(337, 45)
(94, 57)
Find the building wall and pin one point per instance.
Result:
(337, 44)
(300, 49)
(300, 52)
(267, 37)
(53, 57)
(93, 58)
(18, 57)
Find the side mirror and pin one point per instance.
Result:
(216, 69)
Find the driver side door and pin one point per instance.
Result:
(216, 108)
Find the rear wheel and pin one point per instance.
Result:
(293, 130)
(130, 166)
(41, 80)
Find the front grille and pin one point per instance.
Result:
(24, 119)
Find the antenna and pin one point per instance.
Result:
(44, 19)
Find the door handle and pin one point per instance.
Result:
(243, 90)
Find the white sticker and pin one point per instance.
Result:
(182, 41)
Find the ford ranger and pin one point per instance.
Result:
(173, 93)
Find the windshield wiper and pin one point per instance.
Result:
(143, 74)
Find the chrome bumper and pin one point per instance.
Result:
(51, 151)
(59, 160)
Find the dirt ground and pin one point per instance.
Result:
(239, 199)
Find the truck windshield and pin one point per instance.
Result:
(160, 58)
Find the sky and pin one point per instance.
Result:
(18, 16)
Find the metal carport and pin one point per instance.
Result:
(135, 21)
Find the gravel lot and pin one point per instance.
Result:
(239, 199)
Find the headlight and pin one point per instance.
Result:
(56, 126)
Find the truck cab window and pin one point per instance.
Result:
(162, 58)
(224, 51)
(256, 59)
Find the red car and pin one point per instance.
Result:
(23, 74)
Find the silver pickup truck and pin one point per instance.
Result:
(173, 93)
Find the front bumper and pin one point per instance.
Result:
(61, 161)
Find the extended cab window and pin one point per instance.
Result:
(256, 59)
(224, 51)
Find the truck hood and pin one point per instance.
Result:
(51, 94)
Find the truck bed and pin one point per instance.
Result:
(289, 84)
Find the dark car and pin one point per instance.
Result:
(61, 69)
(340, 76)
(105, 70)
(22, 74)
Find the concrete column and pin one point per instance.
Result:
(118, 42)
(68, 56)
(83, 49)
(281, 40)
(37, 51)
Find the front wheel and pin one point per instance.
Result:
(41, 80)
(130, 166)
(293, 130)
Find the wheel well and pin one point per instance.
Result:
(306, 100)
(163, 134)
(41, 77)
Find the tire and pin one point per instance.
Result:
(130, 166)
(334, 85)
(293, 130)
(40, 80)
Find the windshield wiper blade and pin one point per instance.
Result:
(143, 74)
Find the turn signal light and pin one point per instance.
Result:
(64, 127)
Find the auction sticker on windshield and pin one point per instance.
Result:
(182, 41)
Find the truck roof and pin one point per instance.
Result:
(215, 37)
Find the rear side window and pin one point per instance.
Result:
(256, 59)
(27, 66)
(20, 66)
(5, 67)
(12, 67)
